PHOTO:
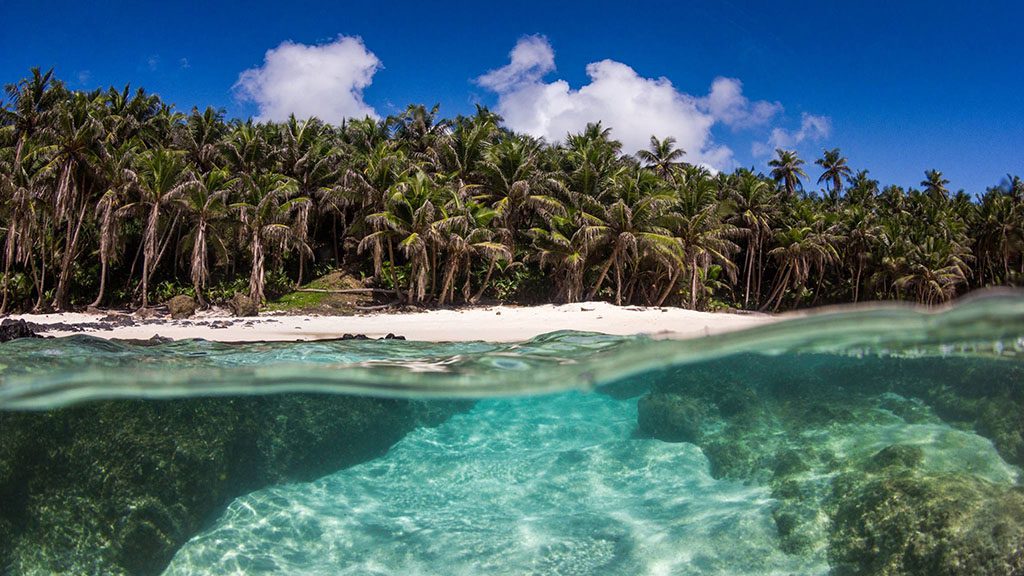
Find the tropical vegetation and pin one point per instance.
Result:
(112, 197)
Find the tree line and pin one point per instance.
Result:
(111, 197)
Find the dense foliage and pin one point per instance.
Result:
(112, 197)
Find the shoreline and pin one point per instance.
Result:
(498, 323)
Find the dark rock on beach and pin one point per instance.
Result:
(116, 487)
(14, 329)
(242, 305)
(388, 336)
(181, 306)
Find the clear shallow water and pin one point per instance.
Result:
(557, 485)
(535, 486)
(881, 441)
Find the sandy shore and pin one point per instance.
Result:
(491, 323)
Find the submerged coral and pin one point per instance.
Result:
(116, 487)
(860, 457)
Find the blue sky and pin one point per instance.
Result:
(900, 87)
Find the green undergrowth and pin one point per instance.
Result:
(298, 302)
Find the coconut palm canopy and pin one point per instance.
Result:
(114, 197)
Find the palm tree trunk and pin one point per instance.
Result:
(856, 282)
(103, 282)
(693, 284)
(483, 285)
(391, 259)
(750, 270)
(618, 283)
(631, 288)
(8, 256)
(149, 251)
(671, 284)
(759, 282)
(448, 281)
(334, 237)
(256, 275)
(166, 242)
(199, 267)
(433, 271)
(40, 284)
(601, 276)
(781, 289)
(70, 249)
(817, 287)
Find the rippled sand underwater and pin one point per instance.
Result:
(835, 445)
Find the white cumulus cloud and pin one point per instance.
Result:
(529, 61)
(634, 107)
(812, 129)
(323, 80)
(727, 103)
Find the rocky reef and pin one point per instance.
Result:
(116, 487)
(880, 466)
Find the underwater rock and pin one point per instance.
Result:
(181, 306)
(242, 305)
(928, 525)
(671, 417)
(116, 487)
(802, 426)
(13, 329)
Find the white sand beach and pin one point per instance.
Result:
(490, 323)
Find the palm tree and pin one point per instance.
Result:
(754, 210)
(590, 161)
(76, 133)
(121, 179)
(422, 134)
(248, 150)
(311, 161)
(161, 181)
(835, 170)
(201, 137)
(698, 222)
(463, 151)
(205, 199)
(139, 117)
(33, 102)
(408, 221)
(801, 251)
(935, 185)
(705, 240)
(863, 233)
(265, 213)
(934, 270)
(661, 155)
(562, 247)
(467, 235)
(513, 183)
(21, 188)
(628, 228)
(787, 171)
(368, 188)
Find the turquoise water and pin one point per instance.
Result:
(881, 441)
(556, 485)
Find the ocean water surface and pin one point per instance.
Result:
(871, 441)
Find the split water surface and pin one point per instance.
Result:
(871, 441)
